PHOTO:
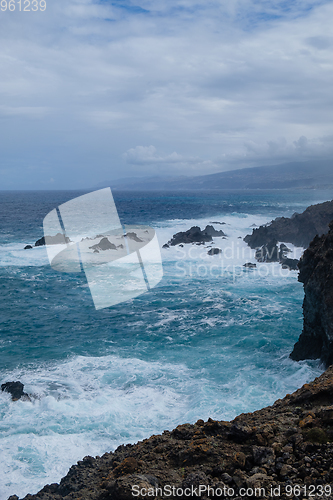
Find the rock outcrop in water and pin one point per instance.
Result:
(299, 230)
(58, 239)
(214, 251)
(287, 444)
(316, 272)
(103, 245)
(272, 252)
(194, 235)
(15, 389)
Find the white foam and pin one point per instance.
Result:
(14, 255)
(85, 406)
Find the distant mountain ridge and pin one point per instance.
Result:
(294, 175)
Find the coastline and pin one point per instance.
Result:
(286, 444)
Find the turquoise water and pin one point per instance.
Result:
(211, 340)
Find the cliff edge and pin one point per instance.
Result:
(316, 272)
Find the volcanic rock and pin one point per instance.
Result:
(316, 273)
(104, 244)
(58, 239)
(300, 229)
(133, 236)
(195, 235)
(214, 251)
(15, 389)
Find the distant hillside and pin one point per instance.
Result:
(295, 175)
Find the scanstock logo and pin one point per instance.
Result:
(120, 262)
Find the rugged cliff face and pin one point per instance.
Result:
(300, 229)
(316, 272)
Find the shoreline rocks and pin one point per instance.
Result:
(299, 230)
(316, 273)
(288, 443)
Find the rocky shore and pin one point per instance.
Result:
(284, 448)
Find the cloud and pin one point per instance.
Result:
(143, 155)
(211, 85)
(24, 111)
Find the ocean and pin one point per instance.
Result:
(212, 339)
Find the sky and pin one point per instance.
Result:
(99, 90)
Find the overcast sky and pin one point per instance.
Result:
(99, 90)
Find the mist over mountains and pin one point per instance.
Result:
(295, 175)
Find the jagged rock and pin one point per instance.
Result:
(316, 273)
(165, 245)
(15, 389)
(27, 247)
(58, 239)
(214, 251)
(250, 265)
(134, 236)
(271, 252)
(300, 229)
(104, 244)
(212, 231)
(195, 235)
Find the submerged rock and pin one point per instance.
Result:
(316, 273)
(250, 265)
(27, 247)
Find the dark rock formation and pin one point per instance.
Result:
(291, 264)
(288, 443)
(316, 272)
(250, 265)
(53, 240)
(104, 244)
(133, 236)
(214, 251)
(271, 252)
(300, 229)
(195, 235)
(27, 247)
(15, 389)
